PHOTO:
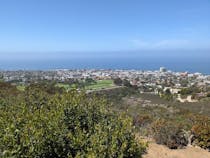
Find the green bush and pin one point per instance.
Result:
(44, 125)
(118, 81)
(190, 90)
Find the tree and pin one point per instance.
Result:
(118, 81)
(167, 95)
(89, 81)
(184, 82)
(126, 83)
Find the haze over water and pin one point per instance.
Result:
(181, 63)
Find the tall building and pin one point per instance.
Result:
(163, 69)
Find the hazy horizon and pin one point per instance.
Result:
(182, 62)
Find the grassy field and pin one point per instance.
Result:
(100, 84)
(21, 87)
(65, 86)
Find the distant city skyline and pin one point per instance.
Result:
(30, 28)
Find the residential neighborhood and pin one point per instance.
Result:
(157, 82)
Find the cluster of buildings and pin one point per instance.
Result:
(147, 81)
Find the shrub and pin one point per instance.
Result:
(118, 81)
(190, 90)
(169, 134)
(142, 120)
(67, 125)
(201, 132)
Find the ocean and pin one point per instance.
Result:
(200, 64)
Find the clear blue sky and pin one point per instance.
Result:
(29, 26)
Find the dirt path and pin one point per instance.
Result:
(160, 151)
(188, 99)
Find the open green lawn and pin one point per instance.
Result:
(100, 84)
(65, 86)
(21, 87)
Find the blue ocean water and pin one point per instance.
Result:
(200, 64)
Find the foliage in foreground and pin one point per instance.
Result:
(43, 125)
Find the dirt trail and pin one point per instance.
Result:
(188, 99)
(160, 151)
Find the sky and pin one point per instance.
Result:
(48, 28)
